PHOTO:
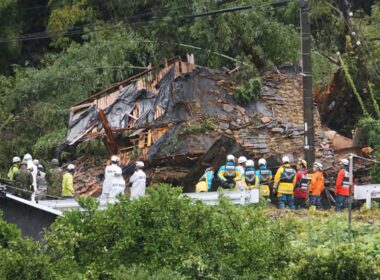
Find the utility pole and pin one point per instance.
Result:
(308, 102)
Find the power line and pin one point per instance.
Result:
(79, 29)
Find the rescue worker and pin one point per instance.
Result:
(23, 181)
(41, 182)
(284, 182)
(249, 175)
(118, 184)
(263, 178)
(317, 186)
(302, 184)
(205, 182)
(228, 174)
(54, 180)
(242, 163)
(342, 186)
(109, 175)
(138, 181)
(68, 182)
(34, 170)
(14, 168)
(241, 185)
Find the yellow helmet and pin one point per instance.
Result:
(302, 162)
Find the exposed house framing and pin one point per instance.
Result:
(90, 118)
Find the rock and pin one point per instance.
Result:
(228, 108)
(228, 131)
(265, 119)
(224, 125)
(240, 121)
(234, 125)
(240, 109)
(277, 130)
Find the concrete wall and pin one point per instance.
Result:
(30, 220)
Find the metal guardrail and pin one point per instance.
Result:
(367, 192)
(58, 207)
(235, 197)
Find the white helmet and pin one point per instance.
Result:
(36, 162)
(115, 159)
(242, 159)
(139, 164)
(28, 157)
(230, 158)
(249, 163)
(318, 165)
(262, 161)
(344, 161)
(71, 167)
(16, 159)
(285, 159)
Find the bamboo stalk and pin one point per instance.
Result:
(375, 104)
(353, 87)
(9, 119)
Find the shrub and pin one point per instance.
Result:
(164, 235)
(166, 231)
(345, 262)
(248, 92)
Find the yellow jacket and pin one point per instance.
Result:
(223, 173)
(285, 179)
(68, 185)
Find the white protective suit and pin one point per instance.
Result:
(109, 176)
(34, 170)
(138, 181)
(118, 186)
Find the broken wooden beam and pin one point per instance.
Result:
(111, 139)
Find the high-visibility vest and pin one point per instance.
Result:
(346, 180)
(230, 172)
(250, 176)
(265, 176)
(287, 175)
(304, 182)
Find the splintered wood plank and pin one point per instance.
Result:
(149, 138)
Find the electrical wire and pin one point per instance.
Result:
(79, 29)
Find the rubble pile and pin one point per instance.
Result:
(87, 181)
(186, 118)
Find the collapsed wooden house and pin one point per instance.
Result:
(131, 108)
(182, 118)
